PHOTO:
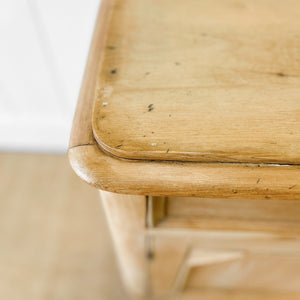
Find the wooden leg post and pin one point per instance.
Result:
(126, 216)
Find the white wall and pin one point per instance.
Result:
(43, 48)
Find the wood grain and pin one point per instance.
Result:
(163, 178)
(82, 124)
(221, 262)
(126, 219)
(205, 80)
(231, 214)
(55, 243)
(246, 272)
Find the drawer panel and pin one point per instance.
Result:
(227, 214)
(185, 262)
(243, 271)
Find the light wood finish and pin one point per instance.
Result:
(201, 81)
(218, 180)
(285, 228)
(229, 106)
(185, 179)
(82, 125)
(200, 258)
(246, 272)
(213, 294)
(188, 260)
(185, 260)
(231, 214)
(126, 218)
(271, 210)
(54, 239)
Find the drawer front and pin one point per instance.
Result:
(242, 270)
(185, 262)
(205, 246)
(227, 214)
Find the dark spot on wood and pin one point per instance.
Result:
(203, 34)
(280, 74)
(150, 255)
(144, 135)
(152, 132)
(291, 187)
(113, 71)
(119, 146)
(258, 180)
(177, 63)
(164, 142)
(267, 197)
(111, 47)
(150, 107)
(234, 191)
(170, 115)
(168, 150)
(147, 73)
(102, 117)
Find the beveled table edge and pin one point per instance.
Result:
(169, 178)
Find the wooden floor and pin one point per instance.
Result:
(54, 241)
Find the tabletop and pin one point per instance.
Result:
(211, 81)
(191, 98)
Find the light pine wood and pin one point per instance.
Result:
(196, 99)
(201, 81)
(55, 243)
(231, 214)
(82, 124)
(245, 272)
(163, 178)
(187, 261)
(126, 217)
(213, 294)
(253, 209)
(183, 260)
(216, 180)
(206, 223)
(198, 258)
